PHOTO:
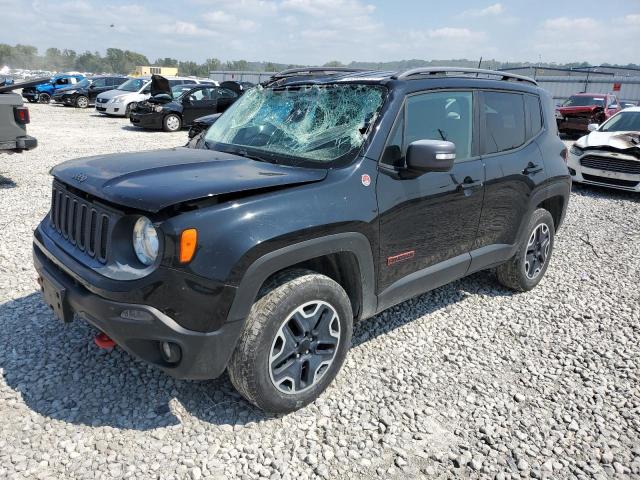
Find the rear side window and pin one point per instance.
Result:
(504, 122)
(533, 114)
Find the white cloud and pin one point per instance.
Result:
(491, 10)
(566, 23)
(451, 33)
(632, 19)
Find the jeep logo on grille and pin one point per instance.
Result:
(80, 177)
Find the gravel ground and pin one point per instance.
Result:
(469, 380)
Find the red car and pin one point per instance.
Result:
(581, 109)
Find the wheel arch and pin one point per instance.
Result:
(345, 257)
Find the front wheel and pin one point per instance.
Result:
(44, 98)
(525, 270)
(82, 102)
(172, 123)
(294, 343)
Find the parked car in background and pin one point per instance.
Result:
(199, 127)
(629, 104)
(44, 91)
(317, 201)
(84, 93)
(14, 117)
(578, 111)
(122, 100)
(609, 155)
(169, 113)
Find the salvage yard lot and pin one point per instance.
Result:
(469, 379)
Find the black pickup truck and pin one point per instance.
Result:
(317, 199)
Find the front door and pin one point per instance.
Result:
(428, 224)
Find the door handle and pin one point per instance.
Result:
(532, 168)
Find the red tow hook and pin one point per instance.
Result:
(102, 340)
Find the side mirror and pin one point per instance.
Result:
(431, 156)
(592, 127)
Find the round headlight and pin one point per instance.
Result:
(145, 241)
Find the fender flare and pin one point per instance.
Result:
(272, 262)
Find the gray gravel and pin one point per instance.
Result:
(467, 381)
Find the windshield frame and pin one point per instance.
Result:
(592, 98)
(279, 157)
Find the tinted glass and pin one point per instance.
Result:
(504, 121)
(534, 116)
(203, 94)
(441, 116)
(226, 93)
(100, 82)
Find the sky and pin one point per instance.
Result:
(317, 31)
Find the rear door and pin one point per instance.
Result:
(428, 223)
(198, 103)
(510, 123)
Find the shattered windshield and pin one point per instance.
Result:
(317, 123)
(622, 122)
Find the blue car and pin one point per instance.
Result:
(43, 92)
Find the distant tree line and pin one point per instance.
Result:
(116, 60)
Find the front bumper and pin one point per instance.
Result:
(138, 328)
(604, 178)
(115, 109)
(147, 120)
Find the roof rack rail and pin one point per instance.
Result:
(406, 75)
(315, 70)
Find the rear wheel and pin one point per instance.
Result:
(82, 102)
(525, 270)
(294, 343)
(172, 123)
(44, 98)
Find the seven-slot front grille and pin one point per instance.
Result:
(611, 164)
(84, 224)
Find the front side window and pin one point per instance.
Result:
(504, 122)
(316, 123)
(622, 122)
(100, 82)
(441, 116)
(225, 93)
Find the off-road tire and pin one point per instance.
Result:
(512, 274)
(44, 98)
(169, 121)
(82, 102)
(249, 365)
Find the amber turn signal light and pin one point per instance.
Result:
(188, 242)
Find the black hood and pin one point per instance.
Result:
(159, 85)
(154, 180)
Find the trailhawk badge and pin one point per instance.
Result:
(366, 180)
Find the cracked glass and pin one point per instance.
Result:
(320, 123)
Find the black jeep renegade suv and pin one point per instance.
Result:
(319, 198)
